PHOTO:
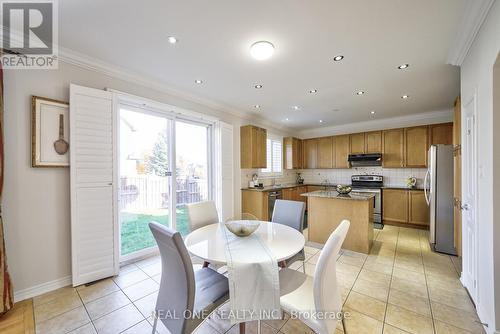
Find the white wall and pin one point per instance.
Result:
(36, 206)
(477, 75)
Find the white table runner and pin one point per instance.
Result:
(254, 291)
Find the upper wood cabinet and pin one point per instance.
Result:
(418, 210)
(342, 148)
(325, 152)
(441, 134)
(416, 146)
(393, 148)
(373, 142)
(292, 153)
(357, 142)
(310, 153)
(395, 205)
(253, 147)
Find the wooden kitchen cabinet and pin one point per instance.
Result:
(325, 158)
(418, 210)
(253, 150)
(289, 194)
(416, 146)
(373, 142)
(357, 143)
(256, 203)
(342, 148)
(310, 148)
(393, 148)
(395, 205)
(441, 134)
(292, 153)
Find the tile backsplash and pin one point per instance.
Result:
(393, 177)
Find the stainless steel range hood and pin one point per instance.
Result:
(365, 160)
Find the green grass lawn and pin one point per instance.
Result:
(135, 233)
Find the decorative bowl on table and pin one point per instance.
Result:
(242, 228)
(343, 190)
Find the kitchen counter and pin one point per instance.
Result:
(286, 186)
(335, 194)
(401, 188)
(327, 209)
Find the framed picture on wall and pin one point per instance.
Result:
(49, 132)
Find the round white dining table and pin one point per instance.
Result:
(208, 242)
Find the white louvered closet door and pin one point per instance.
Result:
(94, 235)
(224, 170)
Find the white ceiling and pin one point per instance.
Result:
(375, 36)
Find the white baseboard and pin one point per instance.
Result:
(41, 288)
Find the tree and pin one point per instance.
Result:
(158, 161)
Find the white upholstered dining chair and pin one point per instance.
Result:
(305, 295)
(201, 214)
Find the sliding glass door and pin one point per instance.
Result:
(192, 168)
(154, 150)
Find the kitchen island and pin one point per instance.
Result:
(327, 209)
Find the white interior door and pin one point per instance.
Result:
(469, 198)
(94, 232)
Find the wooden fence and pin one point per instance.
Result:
(152, 192)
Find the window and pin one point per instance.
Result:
(274, 156)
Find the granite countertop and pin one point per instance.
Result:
(332, 186)
(336, 195)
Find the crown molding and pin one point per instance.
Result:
(474, 14)
(93, 64)
(433, 117)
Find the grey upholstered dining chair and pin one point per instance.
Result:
(183, 290)
(291, 213)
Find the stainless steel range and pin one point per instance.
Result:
(371, 184)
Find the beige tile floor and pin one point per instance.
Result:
(400, 287)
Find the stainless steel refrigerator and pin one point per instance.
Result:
(438, 188)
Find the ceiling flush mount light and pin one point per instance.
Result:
(321, 121)
(295, 107)
(286, 119)
(172, 39)
(372, 112)
(338, 58)
(257, 106)
(258, 86)
(404, 97)
(198, 81)
(262, 50)
(313, 91)
(360, 92)
(403, 66)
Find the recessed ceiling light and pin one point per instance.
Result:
(313, 91)
(295, 107)
(404, 97)
(338, 58)
(262, 50)
(172, 39)
(403, 66)
(321, 121)
(257, 106)
(360, 92)
(258, 86)
(372, 112)
(198, 81)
